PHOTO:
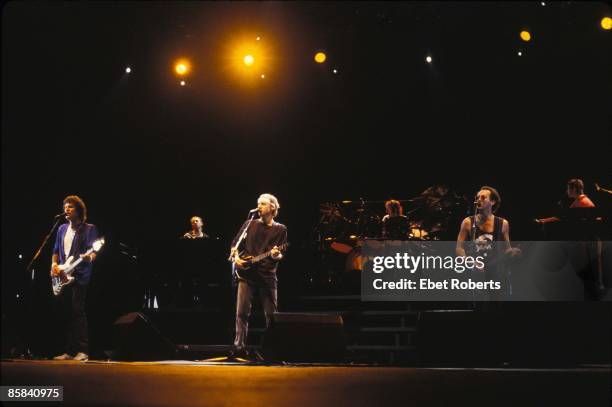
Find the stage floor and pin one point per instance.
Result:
(186, 383)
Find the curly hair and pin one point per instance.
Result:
(576, 184)
(78, 204)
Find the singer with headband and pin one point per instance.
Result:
(262, 241)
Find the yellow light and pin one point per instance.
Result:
(248, 60)
(182, 67)
(320, 57)
(525, 36)
(606, 23)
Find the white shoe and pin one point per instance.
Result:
(81, 357)
(65, 356)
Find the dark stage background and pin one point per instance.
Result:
(146, 154)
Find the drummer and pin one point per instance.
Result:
(395, 224)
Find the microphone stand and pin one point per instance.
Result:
(43, 244)
(473, 231)
(27, 353)
(250, 218)
(243, 235)
(473, 243)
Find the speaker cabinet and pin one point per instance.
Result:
(294, 337)
(136, 338)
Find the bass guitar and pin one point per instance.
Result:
(65, 276)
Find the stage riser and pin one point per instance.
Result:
(549, 335)
(541, 334)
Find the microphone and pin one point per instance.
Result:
(254, 210)
(476, 208)
(59, 215)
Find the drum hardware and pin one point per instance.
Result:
(345, 225)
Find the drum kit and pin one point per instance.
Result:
(344, 226)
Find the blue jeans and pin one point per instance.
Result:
(244, 299)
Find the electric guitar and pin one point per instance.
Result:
(500, 258)
(250, 260)
(65, 276)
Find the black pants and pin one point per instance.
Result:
(244, 300)
(77, 336)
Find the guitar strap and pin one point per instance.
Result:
(497, 229)
(77, 243)
(266, 244)
(267, 241)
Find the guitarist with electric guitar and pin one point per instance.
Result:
(76, 246)
(256, 251)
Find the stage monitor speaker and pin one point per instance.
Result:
(136, 338)
(294, 337)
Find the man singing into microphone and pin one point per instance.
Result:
(483, 229)
(74, 239)
(488, 227)
(263, 235)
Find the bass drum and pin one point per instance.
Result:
(355, 260)
(342, 246)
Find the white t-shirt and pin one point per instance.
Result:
(68, 238)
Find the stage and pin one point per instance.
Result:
(439, 170)
(186, 383)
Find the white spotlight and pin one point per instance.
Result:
(428, 59)
(520, 54)
(128, 69)
(263, 76)
(543, 4)
(183, 83)
(258, 38)
(335, 70)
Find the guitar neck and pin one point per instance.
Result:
(77, 262)
(267, 254)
